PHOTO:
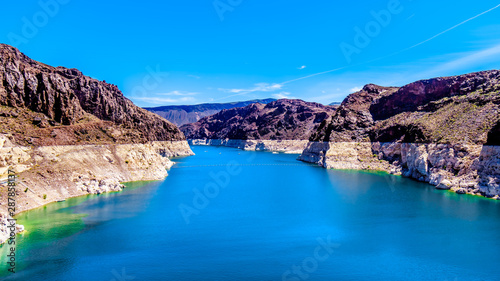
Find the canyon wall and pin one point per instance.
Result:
(444, 131)
(283, 119)
(463, 168)
(186, 114)
(52, 173)
(285, 146)
(65, 134)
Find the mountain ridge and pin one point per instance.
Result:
(443, 131)
(36, 97)
(63, 134)
(455, 109)
(284, 119)
(185, 114)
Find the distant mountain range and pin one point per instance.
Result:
(185, 114)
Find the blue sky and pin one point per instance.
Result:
(196, 51)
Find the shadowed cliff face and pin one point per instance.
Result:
(494, 135)
(279, 120)
(459, 109)
(67, 97)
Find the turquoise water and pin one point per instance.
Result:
(263, 216)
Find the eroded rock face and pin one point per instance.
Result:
(459, 109)
(463, 168)
(186, 114)
(65, 135)
(442, 131)
(51, 173)
(59, 172)
(412, 96)
(279, 120)
(66, 97)
(12, 156)
(353, 120)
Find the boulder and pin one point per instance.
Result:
(444, 185)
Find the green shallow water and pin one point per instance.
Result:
(49, 226)
(265, 223)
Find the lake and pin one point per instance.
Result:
(227, 214)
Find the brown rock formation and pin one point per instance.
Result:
(459, 109)
(280, 120)
(48, 97)
(444, 131)
(186, 114)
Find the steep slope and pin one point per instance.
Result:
(63, 134)
(459, 109)
(185, 114)
(65, 97)
(444, 131)
(352, 120)
(279, 120)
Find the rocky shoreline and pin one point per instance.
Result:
(462, 168)
(284, 146)
(65, 135)
(53, 173)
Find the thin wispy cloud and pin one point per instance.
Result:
(260, 87)
(465, 61)
(453, 27)
(282, 84)
(282, 95)
(329, 98)
(334, 95)
(398, 52)
(302, 67)
(160, 101)
(433, 37)
(355, 89)
(316, 74)
(177, 93)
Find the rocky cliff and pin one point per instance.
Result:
(444, 131)
(186, 114)
(64, 134)
(46, 174)
(39, 100)
(459, 109)
(279, 120)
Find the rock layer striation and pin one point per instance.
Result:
(444, 131)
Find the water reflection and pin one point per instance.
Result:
(266, 220)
